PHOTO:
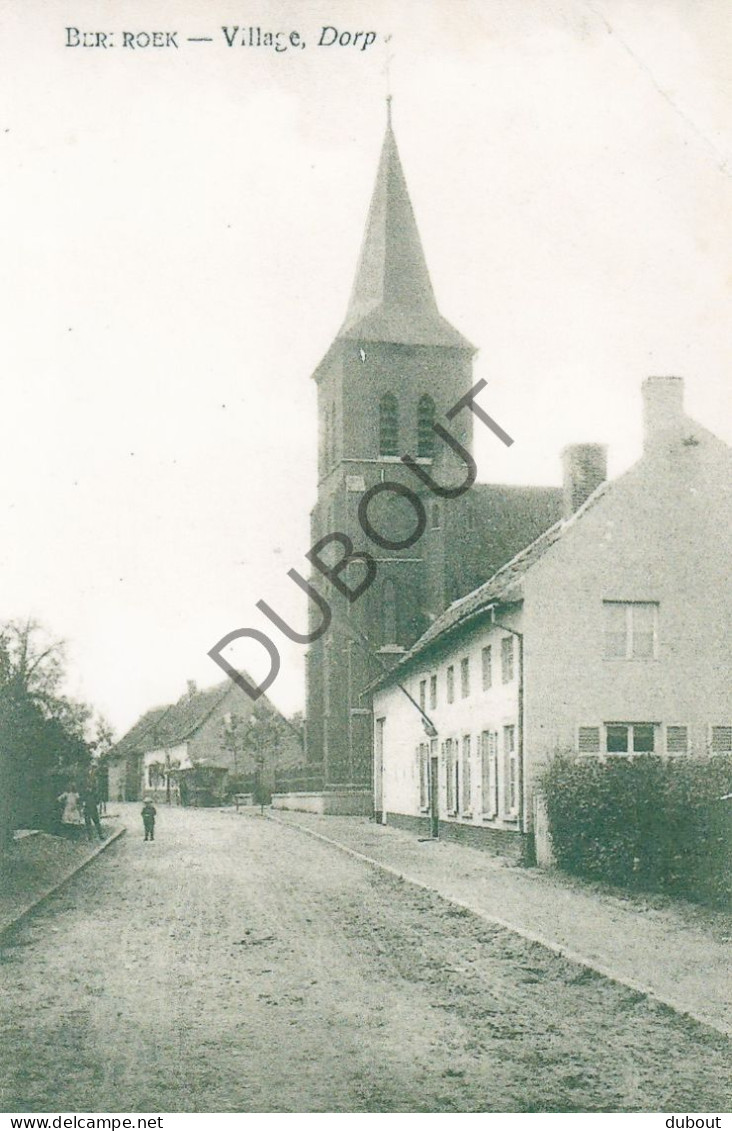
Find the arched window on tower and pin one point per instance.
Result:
(326, 438)
(389, 619)
(389, 425)
(425, 420)
(333, 437)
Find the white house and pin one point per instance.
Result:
(608, 636)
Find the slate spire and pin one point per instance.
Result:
(392, 298)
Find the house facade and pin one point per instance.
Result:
(194, 751)
(607, 636)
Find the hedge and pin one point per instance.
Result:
(644, 822)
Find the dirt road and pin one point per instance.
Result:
(236, 965)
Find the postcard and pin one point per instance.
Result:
(365, 735)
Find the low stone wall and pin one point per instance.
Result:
(330, 803)
(501, 842)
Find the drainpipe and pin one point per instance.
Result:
(520, 722)
(429, 726)
(372, 653)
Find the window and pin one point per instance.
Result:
(677, 740)
(433, 692)
(489, 772)
(326, 438)
(329, 437)
(588, 740)
(156, 775)
(466, 783)
(388, 613)
(423, 755)
(631, 630)
(451, 684)
(423, 693)
(425, 420)
(487, 667)
(630, 738)
(333, 435)
(722, 740)
(450, 769)
(465, 677)
(507, 659)
(388, 425)
(511, 770)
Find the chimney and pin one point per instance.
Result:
(192, 689)
(663, 412)
(584, 468)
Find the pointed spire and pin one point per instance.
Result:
(392, 298)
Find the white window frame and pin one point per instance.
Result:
(450, 781)
(450, 683)
(511, 777)
(489, 779)
(630, 752)
(508, 659)
(433, 692)
(630, 607)
(466, 790)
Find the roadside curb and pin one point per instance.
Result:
(101, 847)
(530, 936)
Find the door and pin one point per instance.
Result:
(379, 813)
(434, 796)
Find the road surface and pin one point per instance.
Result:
(236, 965)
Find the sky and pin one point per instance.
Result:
(179, 233)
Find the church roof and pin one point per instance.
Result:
(392, 298)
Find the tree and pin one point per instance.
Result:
(43, 732)
(255, 741)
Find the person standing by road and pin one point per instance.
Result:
(91, 814)
(72, 820)
(148, 819)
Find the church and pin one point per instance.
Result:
(395, 370)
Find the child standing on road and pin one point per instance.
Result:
(148, 819)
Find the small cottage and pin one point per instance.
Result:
(203, 748)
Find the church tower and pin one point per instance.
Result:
(395, 367)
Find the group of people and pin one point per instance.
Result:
(80, 811)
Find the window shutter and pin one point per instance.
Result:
(425, 421)
(589, 740)
(722, 740)
(486, 662)
(677, 740)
